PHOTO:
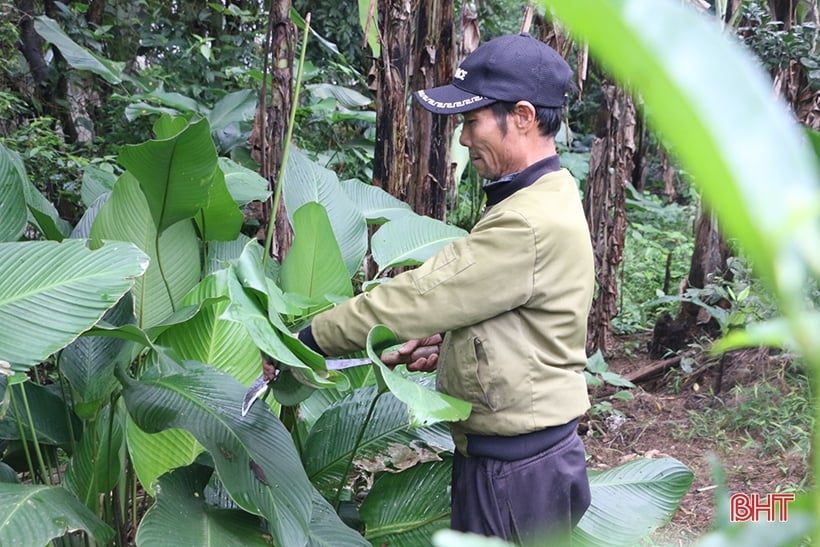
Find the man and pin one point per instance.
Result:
(512, 297)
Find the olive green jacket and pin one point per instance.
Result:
(512, 297)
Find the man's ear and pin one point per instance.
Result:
(524, 113)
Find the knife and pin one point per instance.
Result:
(260, 385)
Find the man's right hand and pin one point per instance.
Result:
(420, 354)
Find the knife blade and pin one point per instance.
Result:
(260, 385)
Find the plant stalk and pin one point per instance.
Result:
(22, 432)
(359, 437)
(277, 195)
(35, 442)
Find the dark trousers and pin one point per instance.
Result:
(523, 500)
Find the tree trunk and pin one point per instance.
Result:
(391, 162)
(610, 166)
(430, 136)
(30, 41)
(708, 261)
(270, 124)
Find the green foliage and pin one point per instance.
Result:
(774, 416)
(777, 47)
(657, 249)
(598, 375)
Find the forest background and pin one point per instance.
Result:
(81, 82)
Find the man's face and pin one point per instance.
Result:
(492, 152)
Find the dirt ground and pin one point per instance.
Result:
(657, 423)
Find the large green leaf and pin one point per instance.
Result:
(54, 291)
(410, 240)
(307, 181)
(88, 362)
(233, 108)
(154, 454)
(207, 338)
(405, 509)
(175, 262)
(376, 205)
(75, 55)
(94, 468)
(40, 211)
(221, 253)
(424, 406)
(314, 267)
(12, 199)
(53, 420)
(97, 180)
(7, 474)
(332, 439)
(699, 108)
(327, 530)
(254, 455)
(34, 515)
(220, 219)
(175, 173)
(243, 184)
(631, 500)
(182, 516)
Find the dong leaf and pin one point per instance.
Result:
(631, 500)
(220, 219)
(52, 292)
(405, 509)
(175, 263)
(424, 406)
(332, 439)
(253, 455)
(410, 240)
(154, 454)
(314, 267)
(53, 420)
(41, 213)
(233, 108)
(36, 514)
(182, 516)
(243, 184)
(307, 181)
(75, 55)
(94, 468)
(12, 199)
(175, 173)
(376, 205)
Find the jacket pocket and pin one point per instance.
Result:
(466, 373)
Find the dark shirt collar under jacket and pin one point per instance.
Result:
(499, 190)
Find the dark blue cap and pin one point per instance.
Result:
(510, 68)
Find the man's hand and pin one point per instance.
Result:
(420, 354)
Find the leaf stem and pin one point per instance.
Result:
(286, 146)
(35, 442)
(359, 437)
(22, 432)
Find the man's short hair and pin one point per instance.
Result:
(548, 118)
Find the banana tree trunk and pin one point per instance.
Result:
(270, 125)
(430, 136)
(610, 166)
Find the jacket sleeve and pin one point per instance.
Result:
(488, 272)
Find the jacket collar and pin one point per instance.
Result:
(499, 190)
